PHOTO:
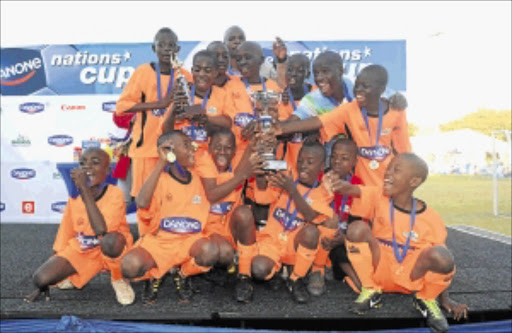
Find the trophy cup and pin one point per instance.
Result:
(264, 103)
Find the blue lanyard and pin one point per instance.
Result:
(292, 99)
(347, 93)
(401, 256)
(333, 101)
(367, 123)
(160, 112)
(294, 214)
(231, 71)
(204, 104)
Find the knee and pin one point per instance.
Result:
(208, 253)
(261, 267)
(226, 253)
(308, 236)
(132, 266)
(112, 244)
(358, 231)
(442, 259)
(40, 279)
(331, 223)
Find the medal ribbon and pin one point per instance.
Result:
(400, 256)
(367, 123)
(294, 214)
(160, 112)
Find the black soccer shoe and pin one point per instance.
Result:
(183, 288)
(244, 289)
(367, 299)
(298, 290)
(150, 291)
(430, 310)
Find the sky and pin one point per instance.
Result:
(458, 53)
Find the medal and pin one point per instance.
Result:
(373, 164)
(283, 236)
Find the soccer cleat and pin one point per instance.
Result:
(316, 283)
(367, 299)
(65, 284)
(124, 292)
(298, 290)
(430, 310)
(244, 289)
(276, 282)
(150, 291)
(183, 288)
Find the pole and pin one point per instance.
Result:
(494, 176)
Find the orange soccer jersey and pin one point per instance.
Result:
(428, 230)
(220, 212)
(241, 111)
(394, 138)
(276, 241)
(77, 242)
(175, 220)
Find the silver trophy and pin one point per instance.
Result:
(265, 103)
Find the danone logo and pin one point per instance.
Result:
(60, 140)
(23, 173)
(32, 107)
(21, 71)
(180, 225)
(109, 107)
(59, 206)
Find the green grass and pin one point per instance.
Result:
(468, 200)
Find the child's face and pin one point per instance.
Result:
(343, 159)
(296, 72)
(234, 38)
(366, 89)
(248, 61)
(183, 149)
(204, 73)
(310, 164)
(222, 57)
(95, 164)
(327, 77)
(222, 149)
(398, 176)
(165, 45)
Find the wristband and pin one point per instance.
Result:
(280, 61)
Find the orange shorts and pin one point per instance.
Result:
(221, 227)
(279, 248)
(167, 252)
(394, 277)
(141, 169)
(88, 264)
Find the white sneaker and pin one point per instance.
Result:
(124, 292)
(65, 284)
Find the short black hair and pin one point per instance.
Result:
(168, 135)
(206, 54)
(333, 58)
(98, 150)
(345, 142)
(379, 73)
(314, 144)
(165, 30)
(419, 165)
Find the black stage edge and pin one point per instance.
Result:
(483, 281)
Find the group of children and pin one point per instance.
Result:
(206, 197)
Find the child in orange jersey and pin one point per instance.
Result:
(405, 249)
(291, 234)
(332, 232)
(93, 233)
(379, 131)
(148, 93)
(175, 200)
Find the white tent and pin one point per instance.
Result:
(460, 151)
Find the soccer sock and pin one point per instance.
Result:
(322, 255)
(114, 266)
(190, 268)
(245, 255)
(434, 284)
(360, 256)
(303, 261)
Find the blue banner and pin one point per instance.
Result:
(89, 69)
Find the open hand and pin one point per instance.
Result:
(279, 49)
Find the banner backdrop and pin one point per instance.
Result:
(55, 96)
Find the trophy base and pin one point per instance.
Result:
(275, 165)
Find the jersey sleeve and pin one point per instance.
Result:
(333, 122)
(364, 206)
(66, 231)
(400, 134)
(115, 214)
(131, 94)
(321, 205)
